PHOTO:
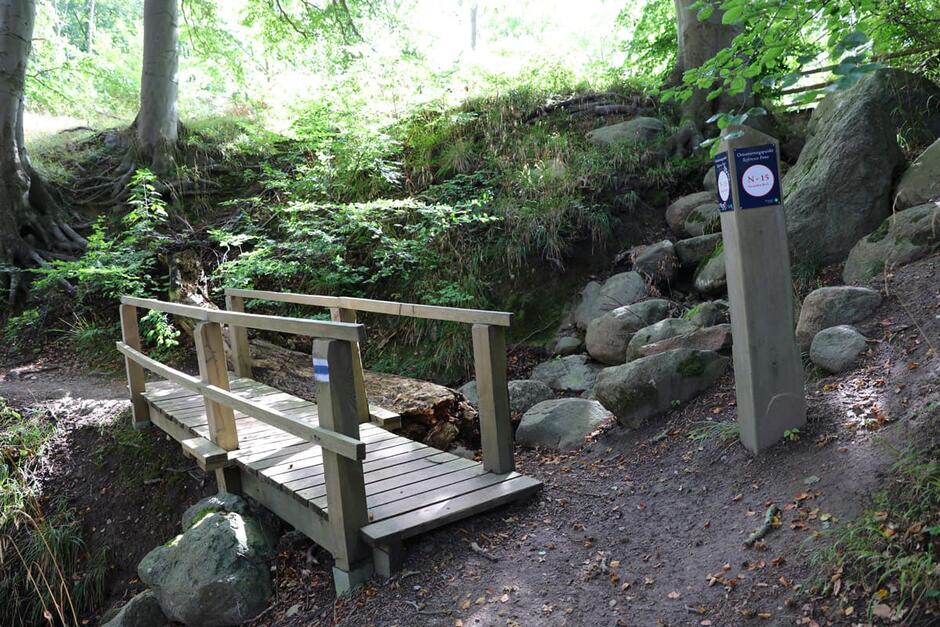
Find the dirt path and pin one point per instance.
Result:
(639, 528)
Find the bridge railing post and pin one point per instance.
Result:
(338, 314)
(489, 357)
(136, 379)
(238, 339)
(210, 354)
(333, 366)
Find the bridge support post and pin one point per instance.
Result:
(489, 358)
(238, 339)
(337, 407)
(210, 354)
(136, 379)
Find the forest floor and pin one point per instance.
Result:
(640, 527)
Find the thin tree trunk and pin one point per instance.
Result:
(158, 121)
(90, 44)
(473, 26)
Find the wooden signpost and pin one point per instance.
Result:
(768, 372)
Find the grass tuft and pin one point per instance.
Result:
(890, 555)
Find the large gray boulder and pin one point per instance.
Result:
(679, 210)
(713, 338)
(703, 220)
(710, 276)
(649, 387)
(904, 237)
(562, 424)
(469, 391)
(836, 348)
(710, 180)
(840, 188)
(657, 262)
(568, 345)
(216, 573)
(921, 181)
(638, 130)
(694, 250)
(221, 502)
(524, 393)
(670, 327)
(567, 374)
(833, 306)
(621, 289)
(141, 611)
(607, 337)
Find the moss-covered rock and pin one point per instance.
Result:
(216, 573)
(904, 237)
(648, 387)
(840, 188)
(921, 181)
(670, 327)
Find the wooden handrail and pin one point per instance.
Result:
(343, 445)
(347, 332)
(428, 312)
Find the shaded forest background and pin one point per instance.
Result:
(416, 151)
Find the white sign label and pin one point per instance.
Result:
(724, 186)
(758, 180)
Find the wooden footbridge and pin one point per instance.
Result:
(333, 469)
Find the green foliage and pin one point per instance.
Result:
(779, 39)
(651, 49)
(65, 77)
(119, 260)
(45, 573)
(352, 248)
(890, 555)
(94, 340)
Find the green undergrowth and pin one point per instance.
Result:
(46, 575)
(889, 557)
(485, 205)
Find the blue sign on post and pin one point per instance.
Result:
(758, 176)
(723, 182)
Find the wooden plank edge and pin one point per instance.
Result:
(458, 508)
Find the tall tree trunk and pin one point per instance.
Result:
(90, 41)
(30, 232)
(473, 26)
(699, 41)
(158, 121)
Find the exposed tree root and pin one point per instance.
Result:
(33, 236)
(599, 104)
(683, 143)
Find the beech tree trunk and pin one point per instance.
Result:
(90, 35)
(699, 41)
(30, 232)
(158, 121)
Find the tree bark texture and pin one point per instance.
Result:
(699, 41)
(30, 233)
(158, 120)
